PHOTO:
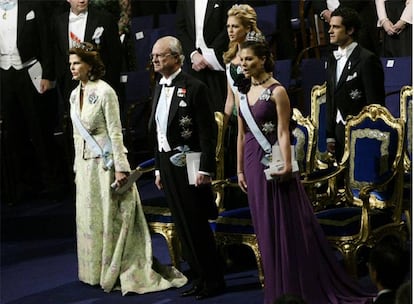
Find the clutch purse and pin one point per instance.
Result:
(132, 178)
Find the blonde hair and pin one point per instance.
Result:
(248, 18)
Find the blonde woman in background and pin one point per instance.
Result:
(242, 18)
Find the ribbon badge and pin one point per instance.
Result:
(92, 98)
(97, 35)
(179, 159)
(181, 92)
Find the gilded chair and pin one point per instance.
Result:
(406, 114)
(318, 116)
(373, 167)
(157, 212)
(318, 173)
(234, 227)
(312, 177)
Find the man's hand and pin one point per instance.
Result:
(45, 84)
(199, 62)
(202, 179)
(158, 182)
(331, 147)
(326, 15)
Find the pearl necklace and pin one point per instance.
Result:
(261, 82)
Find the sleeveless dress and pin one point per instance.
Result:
(233, 73)
(297, 258)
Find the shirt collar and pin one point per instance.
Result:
(168, 81)
(73, 16)
(348, 49)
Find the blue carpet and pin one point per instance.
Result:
(39, 266)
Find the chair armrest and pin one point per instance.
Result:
(147, 166)
(309, 180)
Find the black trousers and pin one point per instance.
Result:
(190, 207)
(24, 143)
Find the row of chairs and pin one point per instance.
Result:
(374, 199)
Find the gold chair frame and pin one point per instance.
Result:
(350, 244)
(225, 239)
(406, 114)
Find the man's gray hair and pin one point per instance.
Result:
(176, 48)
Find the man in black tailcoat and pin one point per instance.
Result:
(355, 77)
(183, 121)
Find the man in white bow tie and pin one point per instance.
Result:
(201, 28)
(81, 23)
(355, 77)
(26, 74)
(182, 121)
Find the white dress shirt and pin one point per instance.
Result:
(9, 54)
(77, 26)
(162, 112)
(340, 65)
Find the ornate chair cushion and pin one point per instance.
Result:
(345, 221)
(368, 140)
(234, 221)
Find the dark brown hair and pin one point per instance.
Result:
(88, 54)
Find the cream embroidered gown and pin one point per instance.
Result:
(113, 241)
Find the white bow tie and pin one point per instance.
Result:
(73, 17)
(164, 81)
(339, 53)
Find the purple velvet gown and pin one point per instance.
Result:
(296, 256)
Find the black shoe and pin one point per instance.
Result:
(211, 292)
(193, 291)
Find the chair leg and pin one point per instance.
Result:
(349, 254)
(408, 222)
(258, 257)
(174, 248)
(170, 236)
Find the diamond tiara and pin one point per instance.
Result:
(255, 36)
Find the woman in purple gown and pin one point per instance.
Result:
(295, 253)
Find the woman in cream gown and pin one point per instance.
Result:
(113, 241)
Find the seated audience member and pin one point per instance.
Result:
(387, 269)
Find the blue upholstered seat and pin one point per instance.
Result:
(373, 167)
(234, 221)
(339, 222)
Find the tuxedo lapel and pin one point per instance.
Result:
(191, 15)
(157, 92)
(209, 10)
(350, 65)
(64, 29)
(22, 10)
(91, 25)
(178, 83)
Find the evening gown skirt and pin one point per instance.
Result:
(113, 241)
(297, 258)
